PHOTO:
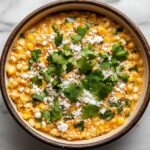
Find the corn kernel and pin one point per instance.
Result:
(101, 30)
(19, 67)
(131, 45)
(23, 99)
(136, 57)
(13, 59)
(10, 70)
(42, 106)
(54, 132)
(107, 39)
(121, 120)
(135, 97)
(37, 125)
(139, 80)
(30, 37)
(21, 42)
(31, 122)
(19, 49)
(26, 116)
(30, 46)
(129, 87)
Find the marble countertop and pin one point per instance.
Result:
(12, 136)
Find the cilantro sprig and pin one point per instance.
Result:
(73, 91)
(59, 38)
(35, 57)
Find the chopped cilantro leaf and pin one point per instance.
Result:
(90, 111)
(56, 111)
(76, 38)
(87, 52)
(119, 52)
(54, 114)
(83, 65)
(58, 39)
(80, 125)
(127, 103)
(107, 115)
(55, 28)
(70, 67)
(67, 50)
(81, 30)
(49, 72)
(114, 104)
(36, 80)
(35, 56)
(135, 68)
(56, 83)
(73, 91)
(124, 77)
(46, 116)
(59, 58)
(95, 83)
(120, 109)
(49, 59)
(36, 97)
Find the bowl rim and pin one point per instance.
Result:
(3, 62)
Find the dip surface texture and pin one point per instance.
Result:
(75, 75)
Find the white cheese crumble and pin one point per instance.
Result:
(64, 102)
(44, 43)
(107, 73)
(65, 42)
(122, 85)
(38, 114)
(75, 47)
(43, 123)
(87, 97)
(24, 76)
(21, 89)
(103, 110)
(52, 37)
(70, 20)
(77, 112)
(96, 39)
(63, 127)
(65, 83)
(31, 122)
(28, 53)
(36, 89)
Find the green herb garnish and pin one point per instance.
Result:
(76, 38)
(80, 125)
(73, 91)
(36, 80)
(119, 52)
(35, 57)
(90, 111)
(84, 65)
(107, 115)
(59, 38)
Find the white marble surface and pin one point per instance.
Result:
(12, 136)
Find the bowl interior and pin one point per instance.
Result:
(101, 10)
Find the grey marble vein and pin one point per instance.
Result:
(12, 136)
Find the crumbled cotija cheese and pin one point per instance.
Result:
(38, 115)
(87, 97)
(63, 127)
